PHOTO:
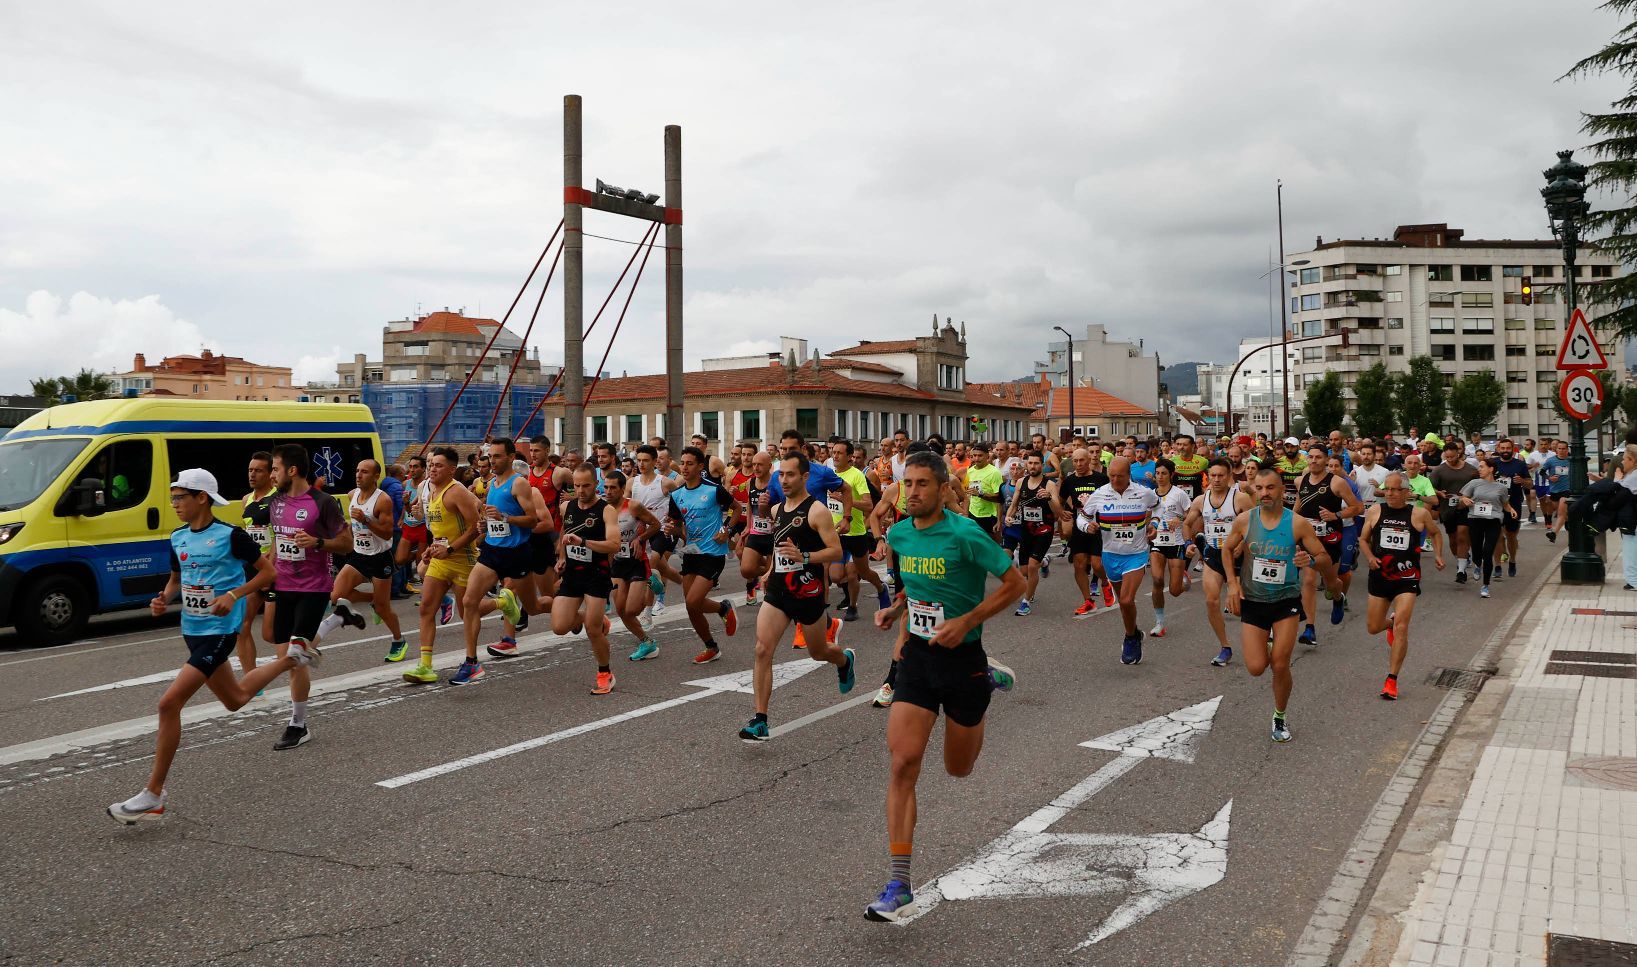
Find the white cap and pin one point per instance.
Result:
(1292, 441)
(196, 480)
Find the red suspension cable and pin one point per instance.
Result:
(512, 373)
(628, 296)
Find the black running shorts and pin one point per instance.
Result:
(705, 565)
(1266, 614)
(955, 680)
(209, 652)
(1383, 587)
(297, 615)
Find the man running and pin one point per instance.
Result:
(1513, 472)
(1081, 534)
(1448, 479)
(983, 483)
(856, 544)
(1555, 470)
(511, 509)
(1327, 502)
(590, 536)
(651, 488)
(1260, 556)
(1189, 473)
(1036, 510)
(762, 492)
(1292, 466)
(1124, 511)
(804, 542)
(945, 561)
(629, 569)
(1210, 519)
(216, 568)
(256, 504)
(549, 483)
(413, 540)
(1168, 557)
(370, 559)
(454, 519)
(1391, 548)
(705, 519)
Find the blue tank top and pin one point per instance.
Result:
(702, 510)
(500, 533)
(1269, 569)
(208, 568)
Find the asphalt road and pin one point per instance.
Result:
(660, 838)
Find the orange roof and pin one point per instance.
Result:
(454, 322)
(866, 348)
(1092, 402)
(861, 366)
(1026, 395)
(761, 379)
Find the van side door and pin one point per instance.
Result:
(127, 545)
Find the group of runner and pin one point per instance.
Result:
(538, 534)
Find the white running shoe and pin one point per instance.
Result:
(143, 805)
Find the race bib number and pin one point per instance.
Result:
(1126, 534)
(1216, 532)
(263, 536)
(1485, 510)
(625, 548)
(497, 530)
(1321, 528)
(784, 563)
(1395, 539)
(1164, 536)
(925, 618)
(761, 525)
(196, 600)
(834, 503)
(1034, 515)
(1267, 571)
(578, 552)
(288, 550)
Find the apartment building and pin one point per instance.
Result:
(1428, 290)
(207, 376)
(1125, 370)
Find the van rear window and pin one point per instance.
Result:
(334, 457)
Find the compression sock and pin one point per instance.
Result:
(298, 714)
(426, 656)
(901, 853)
(331, 623)
(1391, 677)
(1279, 714)
(602, 668)
(892, 675)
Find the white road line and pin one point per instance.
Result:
(820, 715)
(69, 651)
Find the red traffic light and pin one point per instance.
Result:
(1528, 291)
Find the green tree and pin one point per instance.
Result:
(1614, 174)
(1323, 406)
(1475, 400)
(1420, 396)
(1373, 401)
(86, 384)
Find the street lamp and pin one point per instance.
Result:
(1284, 322)
(1070, 338)
(1565, 195)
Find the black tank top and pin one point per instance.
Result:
(1397, 543)
(586, 523)
(791, 578)
(1034, 507)
(1313, 497)
(761, 527)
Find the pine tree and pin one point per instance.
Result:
(1475, 400)
(1323, 406)
(1373, 401)
(1420, 396)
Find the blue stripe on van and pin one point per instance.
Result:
(110, 565)
(197, 426)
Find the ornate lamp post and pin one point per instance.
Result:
(1565, 195)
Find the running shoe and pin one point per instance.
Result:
(1223, 657)
(413, 588)
(750, 596)
(832, 634)
(1551, 535)
(1046, 567)
(800, 641)
(1131, 650)
(446, 610)
(1281, 729)
(1389, 689)
(1023, 608)
(305, 653)
(1158, 631)
(883, 696)
(1001, 678)
(1483, 592)
(844, 675)
(143, 805)
(707, 656)
(755, 731)
(604, 685)
(883, 599)
(293, 736)
(512, 608)
(343, 610)
(1108, 594)
(397, 650)
(468, 672)
(1338, 610)
(644, 651)
(1309, 637)
(1512, 569)
(421, 675)
(1086, 610)
(851, 614)
(895, 901)
(1505, 557)
(505, 648)
(1460, 577)
(730, 619)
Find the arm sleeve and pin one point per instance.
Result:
(243, 546)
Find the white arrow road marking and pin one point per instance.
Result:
(734, 682)
(1028, 861)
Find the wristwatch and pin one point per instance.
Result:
(806, 558)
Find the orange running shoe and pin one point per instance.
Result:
(1108, 595)
(730, 620)
(800, 642)
(1389, 689)
(832, 634)
(605, 683)
(707, 656)
(1085, 609)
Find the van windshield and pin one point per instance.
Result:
(27, 467)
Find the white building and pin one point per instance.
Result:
(1122, 369)
(1429, 291)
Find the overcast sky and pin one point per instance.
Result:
(277, 181)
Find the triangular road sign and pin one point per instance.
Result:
(1580, 349)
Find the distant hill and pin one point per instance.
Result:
(1182, 378)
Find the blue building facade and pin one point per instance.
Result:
(405, 413)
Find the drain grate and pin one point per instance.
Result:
(1465, 679)
(1563, 950)
(1596, 657)
(1591, 671)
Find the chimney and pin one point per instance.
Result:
(141, 363)
(790, 368)
(204, 354)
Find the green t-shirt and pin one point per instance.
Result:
(988, 479)
(861, 488)
(944, 569)
(1422, 488)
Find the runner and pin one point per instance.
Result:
(1345, 564)
(756, 541)
(1261, 557)
(548, 482)
(652, 489)
(1515, 474)
(370, 514)
(1081, 535)
(946, 561)
(591, 534)
(1142, 466)
(856, 544)
(1391, 545)
(256, 504)
(1448, 479)
(1124, 512)
(1535, 453)
(511, 509)
(1034, 508)
(1327, 502)
(1189, 473)
(805, 541)
(629, 570)
(215, 568)
(1555, 470)
(1487, 502)
(1210, 518)
(983, 483)
(454, 519)
(413, 541)
(1291, 466)
(308, 527)
(1168, 557)
(704, 519)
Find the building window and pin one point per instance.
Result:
(1545, 375)
(1392, 270)
(1481, 300)
(1517, 429)
(1546, 324)
(417, 349)
(1545, 349)
(1551, 429)
(1443, 300)
(807, 424)
(1545, 272)
(1395, 350)
(1478, 326)
(1517, 350)
(1477, 273)
(1368, 349)
(750, 424)
(1517, 403)
(1511, 271)
(1441, 324)
(1395, 323)
(599, 430)
(1310, 276)
(1444, 351)
(710, 424)
(1392, 297)
(1478, 353)
(1314, 301)
(1312, 354)
(1313, 327)
(1440, 273)
(633, 427)
(1545, 297)
(1516, 376)
(1602, 271)
(1515, 324)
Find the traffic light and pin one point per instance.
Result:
(1528, 291)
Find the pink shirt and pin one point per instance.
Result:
(299, 568)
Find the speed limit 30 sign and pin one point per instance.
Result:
(1581, 394)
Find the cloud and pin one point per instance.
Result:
(319, 368)
(54, 337)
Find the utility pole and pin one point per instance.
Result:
(573, 283)
(673, 285)
(1284, 319)
(1070, 338)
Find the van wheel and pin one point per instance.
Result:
(53, 610)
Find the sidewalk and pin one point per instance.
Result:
(1525, 835)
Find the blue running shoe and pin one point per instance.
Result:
(755, 732)
(469, 672)
(1223, 657)
(1131, 652)
(1001, 678)
(1309, 637)
(1023, 608)
(884, 598)
(1338, 609)
(845, 673)
(446, 610)
(894, 902)
(645, 651)
(1281, 731)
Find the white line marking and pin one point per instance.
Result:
(820, 715)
